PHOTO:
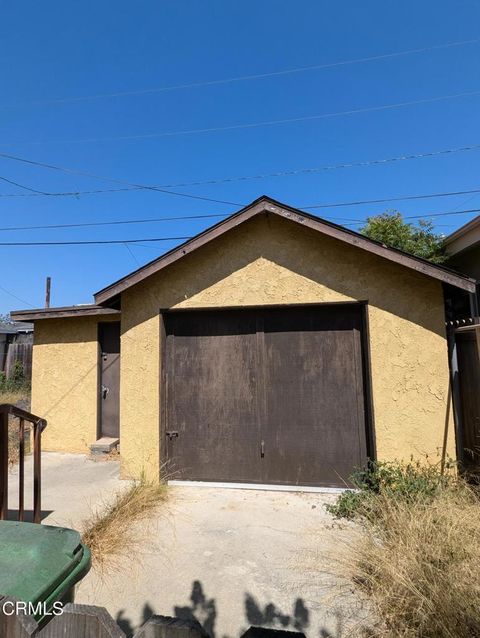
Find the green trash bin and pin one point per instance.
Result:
(40, 564)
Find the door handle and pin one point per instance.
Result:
(172, 434)
(262, 449)
(105, 391)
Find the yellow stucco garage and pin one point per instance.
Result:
(289, 302)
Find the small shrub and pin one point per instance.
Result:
(347, 505)
(17, 374)
(408, 482)
(16, 380)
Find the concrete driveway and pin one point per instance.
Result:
(72, 486)
(230, 558)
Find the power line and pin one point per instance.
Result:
(392, 199)
(132, 254)
(284, 173)
(111, 179)
(114, 222)
(91, 242)
(184, 238)
(243, 78)
(328, 167)
(452, 212)
(152, 220)
(8, 292)
(27, 188)
(76, 193)
(248, 125)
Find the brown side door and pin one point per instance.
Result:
(109, 387)
(265, 395)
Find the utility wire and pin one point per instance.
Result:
(249, 125)
(244, 78)
(132, 254)
(91, 242)
(115, 222)
(8, 292)
(152, 220)
(27, 188)
(292, 172)
(73, 171)
(160, 239)
(391, 199)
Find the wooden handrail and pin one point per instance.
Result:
(38, 425)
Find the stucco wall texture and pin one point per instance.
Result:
(266, 260)
(65, 381)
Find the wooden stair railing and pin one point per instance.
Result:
(38, 425)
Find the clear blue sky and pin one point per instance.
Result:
(56, 50)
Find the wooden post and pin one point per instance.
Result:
(37, 472)
(21, 470)
(47, 292)
(3, 465)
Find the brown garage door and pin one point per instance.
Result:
(265, 395)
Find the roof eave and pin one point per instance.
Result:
(62, 312)
(267, 205)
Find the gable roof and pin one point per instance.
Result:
(265, 204)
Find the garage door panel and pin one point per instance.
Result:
(211, 362)
(314, 423)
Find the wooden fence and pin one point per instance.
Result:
(19, 352)
(84, 621)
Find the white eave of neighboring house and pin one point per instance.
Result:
(464, 237)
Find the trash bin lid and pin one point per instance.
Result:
(35, 560)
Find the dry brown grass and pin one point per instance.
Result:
(15, 396)
(111, 531)
(420, 564)
(12, 397)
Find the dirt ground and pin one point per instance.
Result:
(230, 558)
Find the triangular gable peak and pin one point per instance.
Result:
(267, 205)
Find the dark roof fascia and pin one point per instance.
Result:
(62, 312)
(268, 205)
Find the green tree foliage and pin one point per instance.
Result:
(418, 239)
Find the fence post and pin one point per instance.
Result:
(37, 471)
(3, 464)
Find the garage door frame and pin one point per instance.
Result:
(366, 367)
